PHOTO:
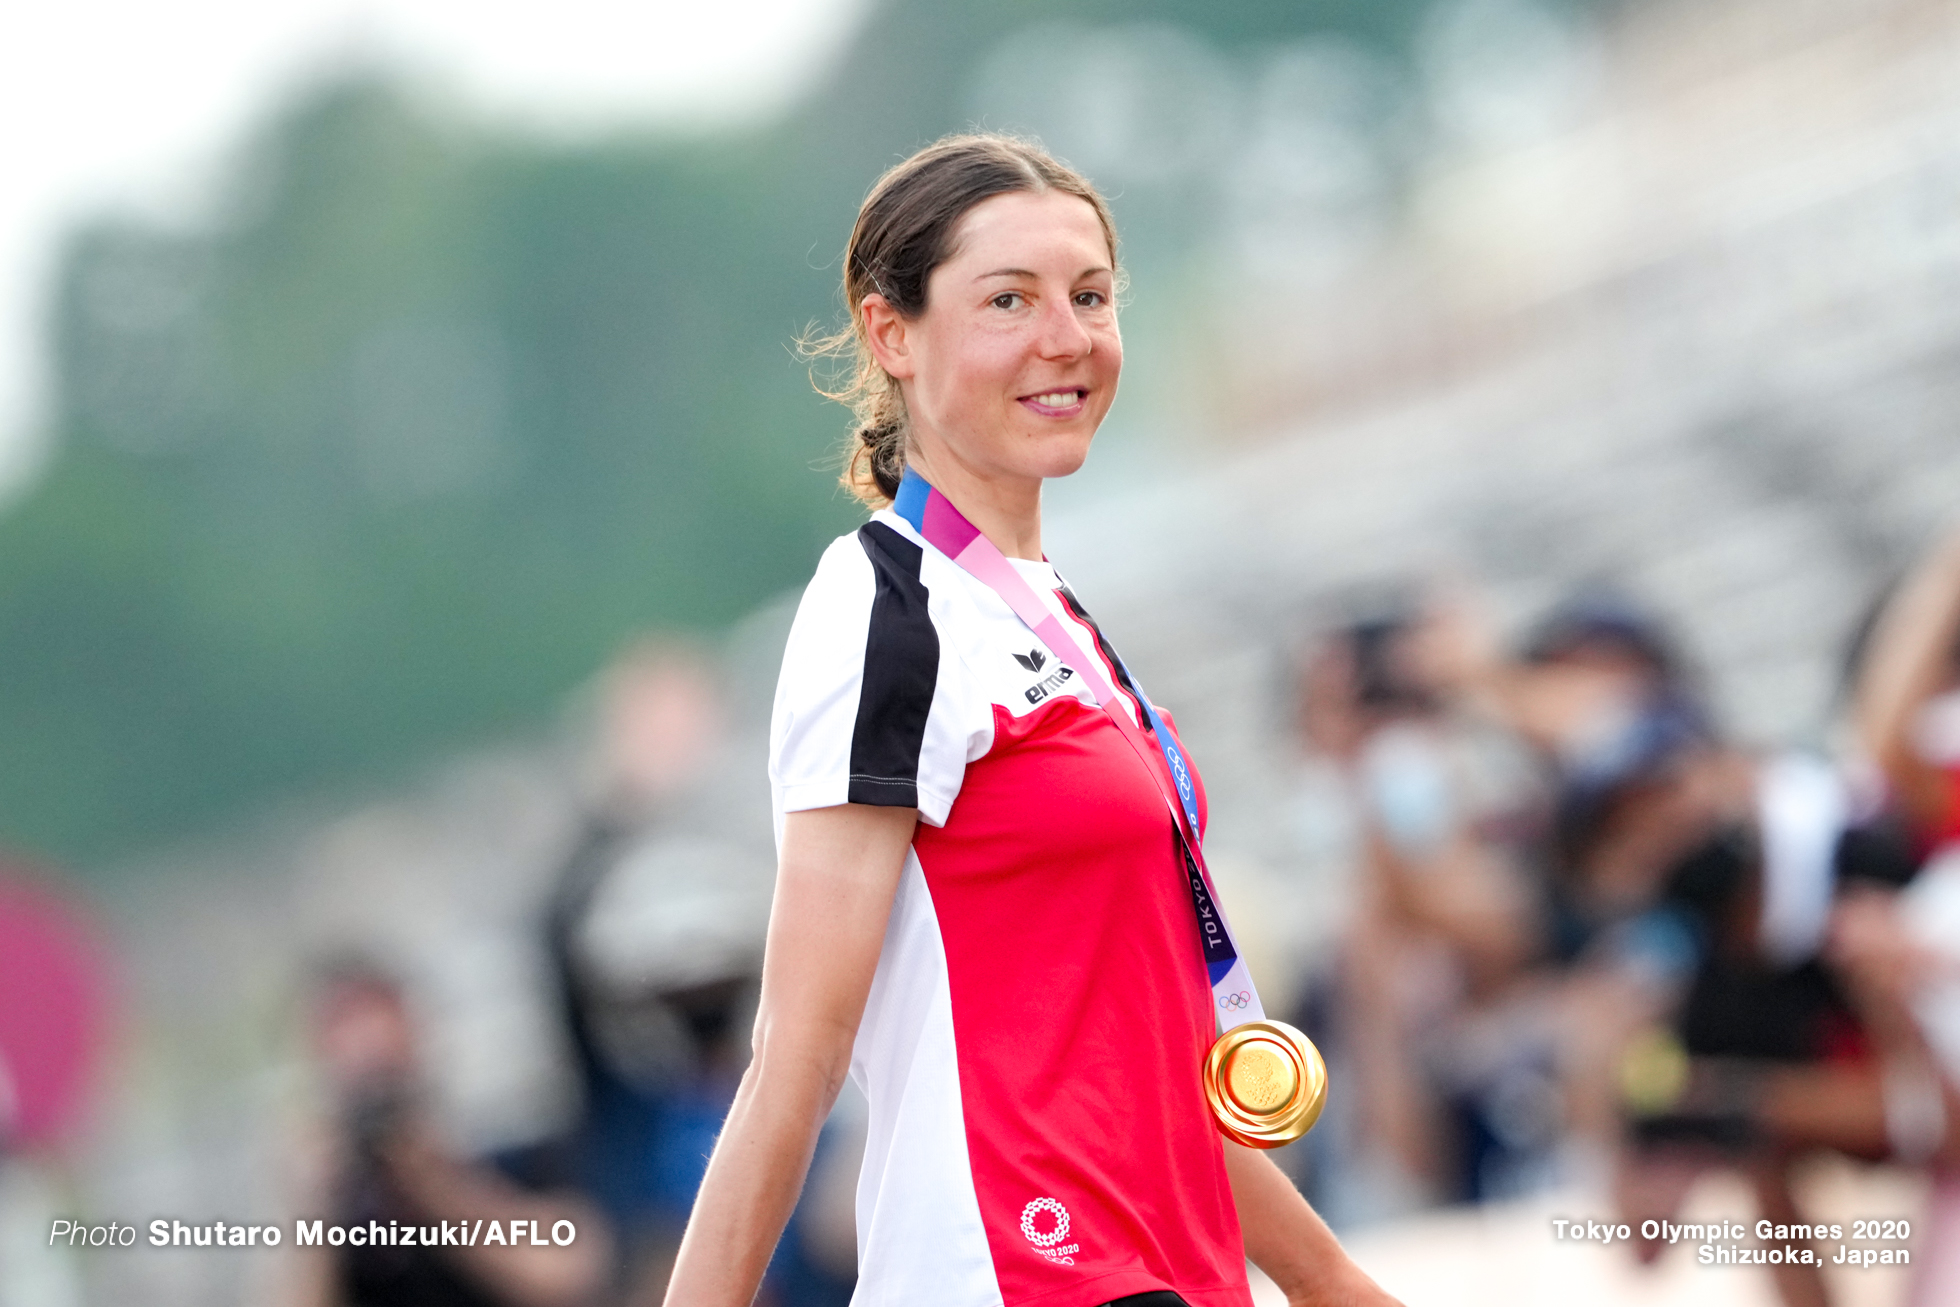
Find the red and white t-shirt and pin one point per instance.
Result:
(1032, 1043)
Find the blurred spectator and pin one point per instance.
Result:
(655, 933)
(1756, 1058)
(1584, 918)
(1899, 950)
(1449, 1103)
(386, 1163)
(658, 971)
(1908, 697)
(1817, 1000)
(1688, 890)
(1601, 693)
(1900, 953)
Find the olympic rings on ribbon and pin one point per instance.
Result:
(1234, 1002)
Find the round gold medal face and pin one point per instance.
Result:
(1265, 1082)
(1259, 1079)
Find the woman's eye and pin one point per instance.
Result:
(1089, 299)
(1007, 299)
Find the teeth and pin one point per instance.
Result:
(1058, 398)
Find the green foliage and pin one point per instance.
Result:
(426, 422)
(390, 458)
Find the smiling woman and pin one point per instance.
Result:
(910, 225)
(1005, 382)
(992, 909)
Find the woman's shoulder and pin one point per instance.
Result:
(851, 565)
(864, 576)
(842, 563)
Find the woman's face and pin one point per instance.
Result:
(1009, 370)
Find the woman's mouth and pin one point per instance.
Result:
(1056, 403)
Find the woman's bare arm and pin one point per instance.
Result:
(839, 871)
(1287, 1240)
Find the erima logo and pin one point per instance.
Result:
(1047, 685)
(1034, 660)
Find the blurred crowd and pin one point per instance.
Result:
(1591, 944)
(1592, 940)
(1595, 938)
(652, 929)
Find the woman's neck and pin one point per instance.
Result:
(1008, 512)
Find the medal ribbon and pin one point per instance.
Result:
(1235, 999)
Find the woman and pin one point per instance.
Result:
(980, 910)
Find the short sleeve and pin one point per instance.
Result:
(868, 705)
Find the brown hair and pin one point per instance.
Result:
(904, 230)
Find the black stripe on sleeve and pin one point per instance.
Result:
(901, 670)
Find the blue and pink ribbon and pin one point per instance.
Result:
(945, 528)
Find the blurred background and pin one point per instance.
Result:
(407, 476)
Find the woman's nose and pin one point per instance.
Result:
(1062, 333)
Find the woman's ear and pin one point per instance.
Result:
(887, 333)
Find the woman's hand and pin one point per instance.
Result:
(1287, 1240)
(838, 872)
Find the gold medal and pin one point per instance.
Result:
(1266, 1083)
